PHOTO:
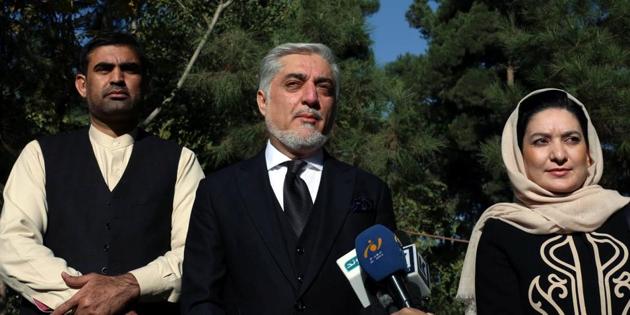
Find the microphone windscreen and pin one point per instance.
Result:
(379, 252)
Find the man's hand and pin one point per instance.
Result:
(99, 294)
(410, 311)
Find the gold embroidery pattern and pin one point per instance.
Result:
(556, 283)
(623, 281)
(566, 281)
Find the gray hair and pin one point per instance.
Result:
(270, 64)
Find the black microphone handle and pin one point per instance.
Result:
(397, 288)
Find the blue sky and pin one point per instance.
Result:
(391, 32)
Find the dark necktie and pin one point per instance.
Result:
(297, 199)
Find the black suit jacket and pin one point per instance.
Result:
(237, 262)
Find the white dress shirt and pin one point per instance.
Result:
(33, 270)
(312, 173)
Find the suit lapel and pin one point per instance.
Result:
(333, 199)
(258, 197)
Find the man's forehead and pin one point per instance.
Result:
(310, 62)
(113, 54)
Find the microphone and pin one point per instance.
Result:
(417, 268)
(417, 278)
(349, 265)
(381, 256)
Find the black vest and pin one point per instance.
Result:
(102, 231)
(300, 249)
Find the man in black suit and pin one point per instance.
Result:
(265, 233)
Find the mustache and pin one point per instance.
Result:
(310, 111)
(115, 89)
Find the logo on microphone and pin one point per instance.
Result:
(352, 263)
(372, 250)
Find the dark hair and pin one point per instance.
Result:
(544, 100)
(112, 39)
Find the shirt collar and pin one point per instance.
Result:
(107, 141)
(274, 158)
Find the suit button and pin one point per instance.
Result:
(299, 251)
(300, 277)
(106, 247)
(108, 226)
(104, 270)
(300, 306)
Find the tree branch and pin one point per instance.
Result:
(191, 62)
(439, 237)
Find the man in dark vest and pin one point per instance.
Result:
(94, 221)
(265, 233)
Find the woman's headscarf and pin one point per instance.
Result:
(537, 210)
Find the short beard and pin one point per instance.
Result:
(313, 141)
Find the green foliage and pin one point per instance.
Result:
(445, 272)
(9, 303)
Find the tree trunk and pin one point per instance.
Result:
(510, 74)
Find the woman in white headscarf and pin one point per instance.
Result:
(562, 246)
